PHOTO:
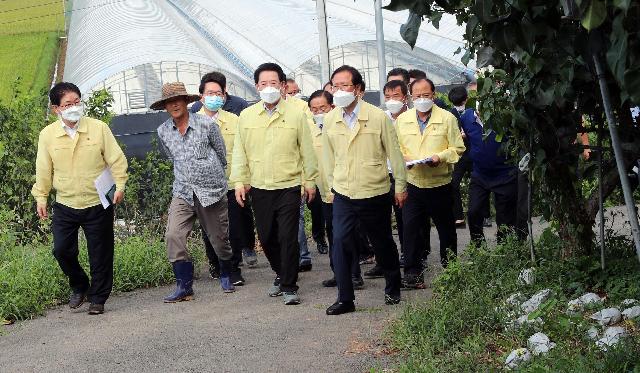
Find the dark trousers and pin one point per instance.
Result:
(397, 212)
(277, 214)
(361, 241)
(97, 224)
(422, 202)
(318, 224)
(460, 170)
(374, 214)
(505, 192)
(241, 234)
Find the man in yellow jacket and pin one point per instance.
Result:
(430, 135)
(72, 152)
(241, 235)
(358, 138)
(272, 155)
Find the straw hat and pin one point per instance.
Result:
(171, 90)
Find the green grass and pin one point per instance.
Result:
(28, 16)
(31, 281)
(29, 32)
(29, 58)
(462, 329)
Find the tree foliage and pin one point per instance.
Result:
(541, 88)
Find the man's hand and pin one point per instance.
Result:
(435, 161)
(241, 194)
(586, 154)
(118, 197)
(309, 194)
(42, 211)
(401, 199)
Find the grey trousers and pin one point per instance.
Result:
(214, 219)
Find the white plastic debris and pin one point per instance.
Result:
(631, 313)
(592, 333)
(627, 303)
(535, 301)
(515, 299)
(607, 316)
(611, 336)
(579, 303)
(539, 343)
(524, 320)
(527, 276)
(517, 357)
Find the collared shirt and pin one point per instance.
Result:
(351, 118)
(71, 165)
(270, 111)
(421, 123)
(441, 137)
(70, 131)
(273, 151)
(198, 159)
(355, 160)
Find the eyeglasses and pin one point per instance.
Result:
(65, 107)
(341, 87)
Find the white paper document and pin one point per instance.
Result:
(106, 187)
(419, 161)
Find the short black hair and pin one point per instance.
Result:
(319, 93)
(269, 66)
(213, 77)
(433, 86)
(458, 95)
(399, 71)
(417, 74)
(393, 84)
(60, 89)
(356, 77)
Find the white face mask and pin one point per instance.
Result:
(394, 106)
(270, 95)
(343, 99)
(319, 119)
(298, 95)
(73, 113)
(423, 105)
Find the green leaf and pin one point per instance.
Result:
(632, 83)
(617, 53)
(622, 4)
(409, 31)
(397, 5)
(484, 57)
(595, 15)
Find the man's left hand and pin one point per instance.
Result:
(401, 199)
(118, 197)
(435, 161)
(309, 194)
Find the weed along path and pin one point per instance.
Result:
(216, 332)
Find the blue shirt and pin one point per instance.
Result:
(422, 124)
(351, 118)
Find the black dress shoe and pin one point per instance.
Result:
(322, 247)
(306, 267)
(236, 278)
(96, 309)
(358, 283)
(77, 299)
(391, 299)
(330, 283)
(338, 308)
(374, 272)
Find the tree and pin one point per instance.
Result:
(542, 89)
